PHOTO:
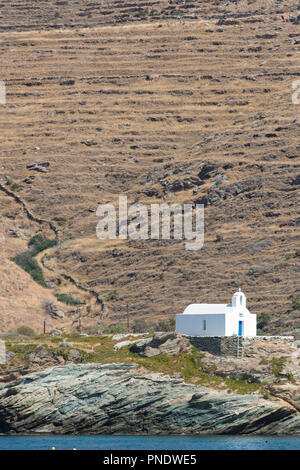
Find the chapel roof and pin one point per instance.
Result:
(208, 308)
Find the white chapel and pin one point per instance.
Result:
(218, 319)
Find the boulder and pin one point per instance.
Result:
(122, 344)
(43, 357)
(162, 343)
(207, 170)
(38, 166)
(54, 310)
(75, 356)
(89, 142)
(55, 332)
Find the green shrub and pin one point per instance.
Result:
(25, 331)
(26, 259)
(292, 255)
(16, 187)
(277, 365)
(141, 13)
(259, 332)
(140, 326)
(39, 243)
(264, 362)
(67, 299)
(8, 215)
(291, 378)
(296, 302)
(264, 320)
(21, 348)
(114, 329)
(92, 330)
(186, 276)
(30, 265)
(112, 295)
(166, 325)
(60, 220)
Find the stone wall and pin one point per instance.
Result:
(227, 345)
(217, 345)
(2, 352)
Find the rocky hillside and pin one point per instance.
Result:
(163, 109)
(52, 14)
(119, 399)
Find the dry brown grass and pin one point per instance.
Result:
(159, 99)
(258, 6)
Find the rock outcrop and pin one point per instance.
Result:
(120, 399)
(170, 343)
(266, 359)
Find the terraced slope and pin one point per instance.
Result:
(161, 111)
(21, 15)
(54, 14)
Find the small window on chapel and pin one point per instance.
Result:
(204, 324)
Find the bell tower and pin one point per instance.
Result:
(239, 299)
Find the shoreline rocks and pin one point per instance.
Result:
(121, 399)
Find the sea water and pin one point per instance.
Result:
(46, 442)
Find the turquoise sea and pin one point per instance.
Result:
(46, 442)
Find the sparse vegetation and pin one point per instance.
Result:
(60, 220)
(38, 243)
(264, 320)
(296, 302)
(8, 215)
(140, 326)
(277, 364)
(112, 295)
(25, 331)
(186, 276)
(166, 325)
(93, 330)
(27, 261)
(31, 266)
(67, 299)
(291, 378)
(260, 332)
(189, 366)
(13, 185)
(21, 348)
(292, 255)
(264, 362)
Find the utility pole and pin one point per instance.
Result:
(127, 310)
(45, 326)
(79, 319)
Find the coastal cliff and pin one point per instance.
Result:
(122, 399)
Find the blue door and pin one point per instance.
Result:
(240, 328)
